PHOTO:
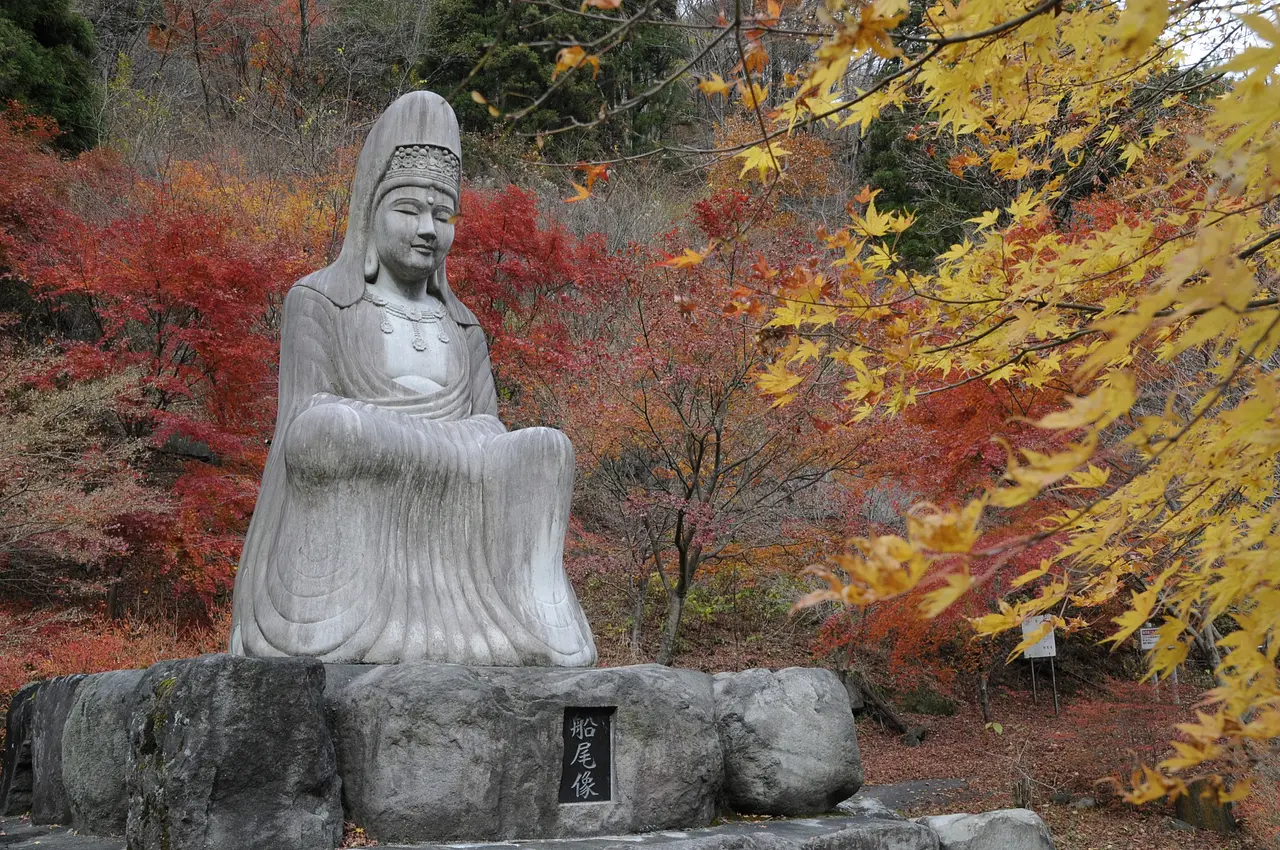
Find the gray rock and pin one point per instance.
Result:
(789, 741)
(95, 750)
(876, 835)
(862, 806)
(857, 702)
(15, 758)
(915, 736)
(1003, 829)
(232, 752)
(494, 738)
(1085, 803)
(49, 803)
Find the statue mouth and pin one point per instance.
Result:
(424, 249)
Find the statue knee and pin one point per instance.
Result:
(321, 441)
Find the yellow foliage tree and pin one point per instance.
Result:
(1178, 464)
(1164, 323)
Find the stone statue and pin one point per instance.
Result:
(399, 520)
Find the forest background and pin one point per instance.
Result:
(750, 319)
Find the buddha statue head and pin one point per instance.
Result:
(403, 201)
(413, 213)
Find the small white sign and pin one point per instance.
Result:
(1046, 647)
(1148, 638)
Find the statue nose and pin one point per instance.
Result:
(427, 227)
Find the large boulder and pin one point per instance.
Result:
(15, 759)
(49, 802)
(790, 745)
(1003, 829)
(95, 750)
(233, 752)
(499, 747)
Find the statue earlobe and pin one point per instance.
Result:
(370, 263)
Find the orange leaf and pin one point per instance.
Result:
(582, 193)
(573, 57)
(689, 258)
(593, 173)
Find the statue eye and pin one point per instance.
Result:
(445, 215)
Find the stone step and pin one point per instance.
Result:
(833, 832)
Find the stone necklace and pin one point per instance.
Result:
(415, 318)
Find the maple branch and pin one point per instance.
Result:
(1270, 239)
(1054, 343)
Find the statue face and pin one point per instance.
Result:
(412, 231)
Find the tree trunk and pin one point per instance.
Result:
(984, 698)
(1208, 641)
(671, 628)
(637, 614)
(879, 705)
(984, 692)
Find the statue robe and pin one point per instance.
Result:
(396, 526)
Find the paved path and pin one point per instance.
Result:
(831, 832)
(782, 834)
(917, 792)
(19, 834)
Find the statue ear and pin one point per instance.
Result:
(370, 262)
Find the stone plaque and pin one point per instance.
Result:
(586, 774)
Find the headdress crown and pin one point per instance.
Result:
(431, 162)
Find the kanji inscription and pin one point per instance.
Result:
(586, 774)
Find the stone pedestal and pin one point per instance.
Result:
(232, 752)
(15, 758)
(95, 750)
(49, 802)
(441, 752)
(223, 751)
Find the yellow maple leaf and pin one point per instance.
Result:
(987, 219)
(714, 84)
(938, 600)
(753, 95)
(1088, 479)
(776, 380)
(1132, 153)
(763, 158)
(806, 350)
(1140, 24)
(1100, 408)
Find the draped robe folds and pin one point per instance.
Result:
(396, 526)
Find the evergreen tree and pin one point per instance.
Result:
(45, 64)
(514, 73)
